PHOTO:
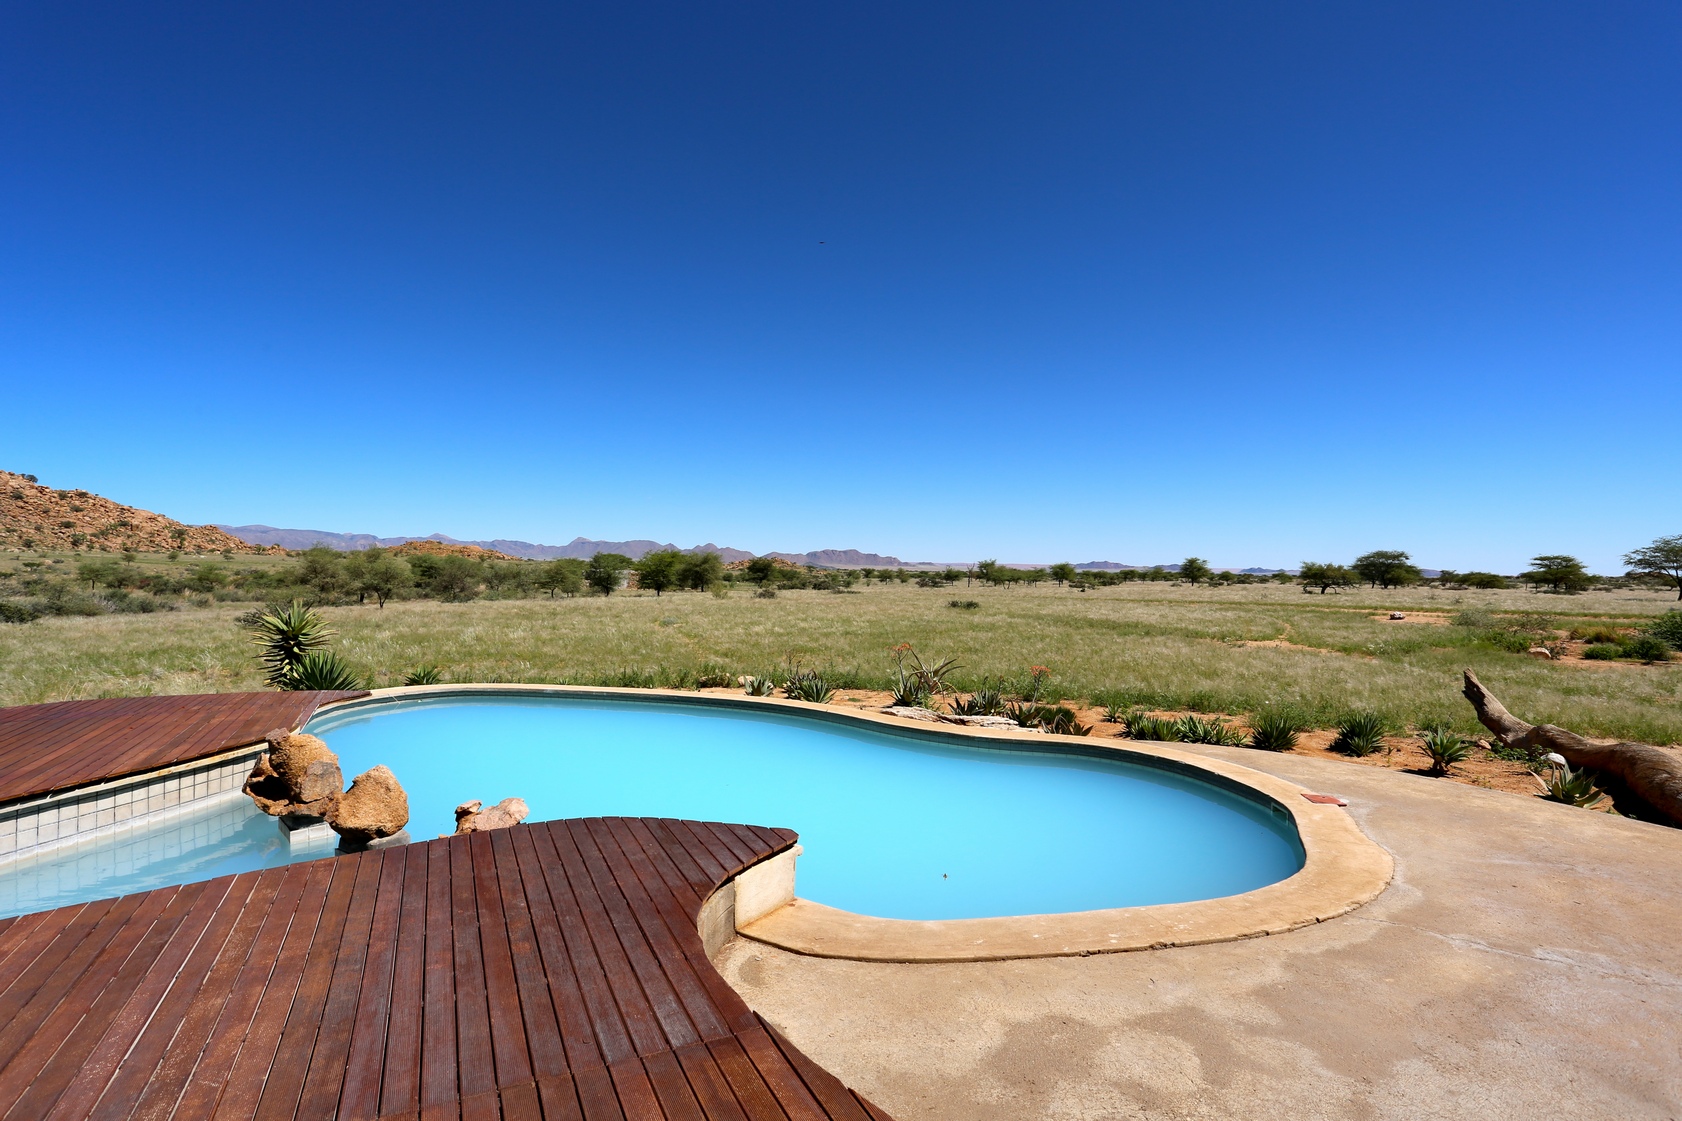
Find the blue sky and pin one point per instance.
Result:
(1114, 281)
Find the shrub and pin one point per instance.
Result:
(808, 685)
(1603, 651)
(759, 687)
(1667, 628)
(17, 613)
(1274, 730)
(1648, 648)
(1445, 748)
(322, 669)
(766, 592)
(1360, 734)
(1598, 635)
(424, 675)
(964, 604)
(1144, 726)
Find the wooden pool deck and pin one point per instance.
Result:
(56, 746)
(549, 971)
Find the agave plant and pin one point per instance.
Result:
(1060, 720)
(424, 675)
(1573, 788)
(1445, 748)
(1274, 730)
(1361, 734)
(286, 634)
(1027, 714)
(808, 685)
(985, 701)
(1144, 726)
(1114, 713)
(322, 669)
(929, 677)
(759, 687)
(1195, 729)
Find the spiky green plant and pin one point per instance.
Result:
(985, 701)
(808, 685)
(1445, 748)
(759, 687)
(286, 634)
(1573, 788)
(1144, 726)
(424, 675)
(1195, 729)
(1274, 730)
(1027, 714)
(322, 669)
(1114, 713)
(1360, 733)
(1060, 720)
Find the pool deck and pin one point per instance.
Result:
(545, 971)
(1525, 962)
(65, 744)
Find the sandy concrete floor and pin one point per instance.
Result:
(1526, 963)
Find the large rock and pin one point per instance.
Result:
(470, 818)
(297, 777)
(375, 806)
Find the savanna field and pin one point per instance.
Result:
(1225, 650)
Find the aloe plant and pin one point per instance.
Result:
(808, 685)
(1360, 734)
(1274, 730)
(424, 675)
(322, 669)
(285, 635)
(759, 687)
(1114, 713)
(1573, 788)
(1195, 729)
(1143, 726)
(1060, 720)
(1445, 748)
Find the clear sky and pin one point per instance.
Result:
(1255, 282)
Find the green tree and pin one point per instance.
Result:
(605, 571)
(1385, 568)
(991, 572)
(206, 578)
(1662, 558)
(760, 570)
(1313, 574)
(1195, 569)
(1483, 580)
(95, 572)
(565, 575)
(700, 571)
(454, 579)
(1561, 574)
(376, 572)
(322, 571)
(1063, 572)
(658, 571)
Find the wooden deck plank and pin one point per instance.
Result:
(549, 972)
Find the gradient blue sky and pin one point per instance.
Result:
(1256, 282)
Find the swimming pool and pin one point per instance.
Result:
(901, 824)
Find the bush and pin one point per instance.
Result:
(17, 613)
(1360, 734)
(1603, 651)
(1274, 730)
(1597, 634)
(766, 592)
(1667, 628)
(1647, 648)
(964, 604)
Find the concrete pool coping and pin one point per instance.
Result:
(1342, 867)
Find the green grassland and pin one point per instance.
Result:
(1162, 645)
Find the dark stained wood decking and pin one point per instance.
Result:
(550, 971)
(73, 743)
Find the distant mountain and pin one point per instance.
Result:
(849, 558)
(581, 547)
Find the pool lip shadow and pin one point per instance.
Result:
(1342, 867)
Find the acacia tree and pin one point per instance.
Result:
(1063, 572)
(1662, 558)
(659, 571)
(565, 575)
(604, 571)
(1313, 574)
(1195, 569)
(1562, 574)
(375, 572)
(1385, 568)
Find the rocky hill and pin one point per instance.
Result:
(33, 516)
(447, 549)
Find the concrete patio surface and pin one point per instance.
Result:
(1526, 962)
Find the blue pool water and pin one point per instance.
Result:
(894, 824)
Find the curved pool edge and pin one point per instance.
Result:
(1342, 868)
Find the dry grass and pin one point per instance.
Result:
(1158, 645)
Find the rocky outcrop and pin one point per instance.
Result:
(298, 777)
(374, 807)
(470, 818)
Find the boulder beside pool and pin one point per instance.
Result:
(471, 819)
(375, 807)
(298, 777)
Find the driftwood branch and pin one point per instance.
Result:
(1650, 773)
